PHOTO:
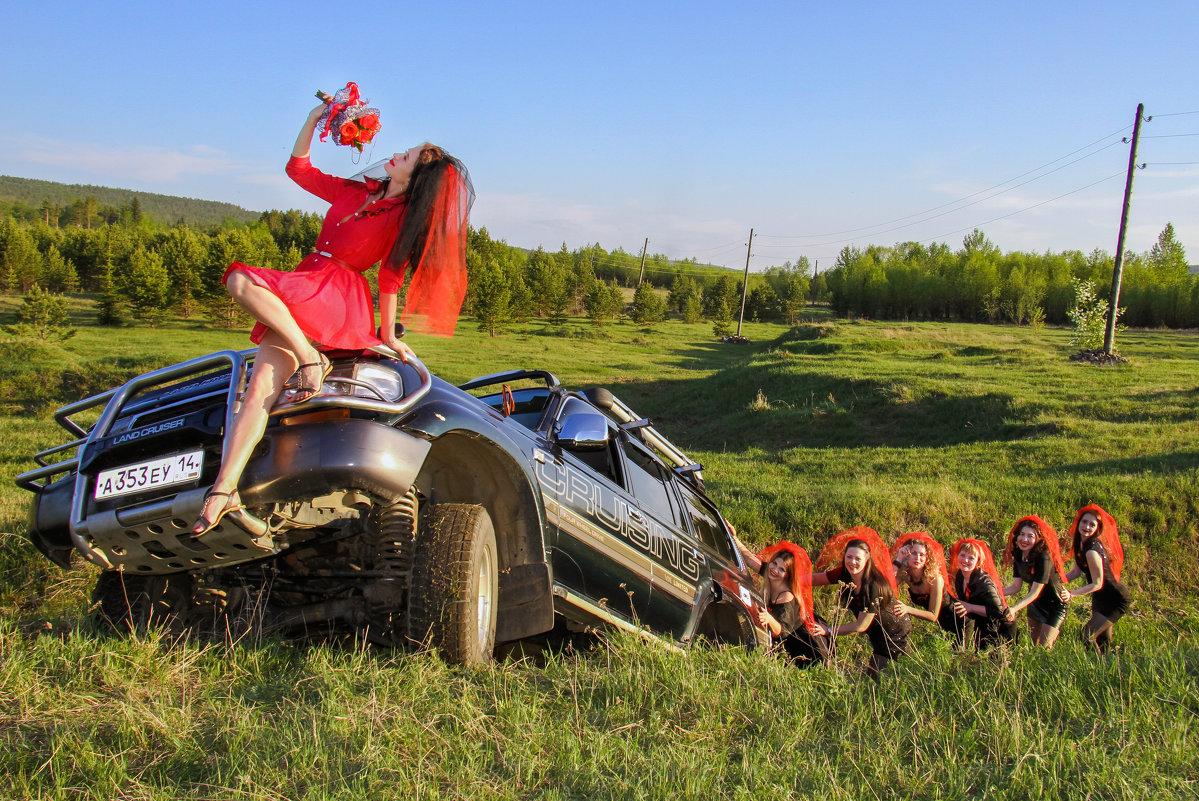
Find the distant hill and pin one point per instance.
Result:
(164, 208)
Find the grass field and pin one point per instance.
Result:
(953, 429)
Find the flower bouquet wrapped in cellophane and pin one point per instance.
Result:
(348, 117)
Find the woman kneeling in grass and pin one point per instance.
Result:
(793, 624)
(1099, 556)
(977, 599)
(867, 589)
(789, 615)
(920, 564)
(1035, 557)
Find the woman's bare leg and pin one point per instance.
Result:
(1048, 636)
(1096, 629)
(265, 307)
(273, 365)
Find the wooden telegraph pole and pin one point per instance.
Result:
(643, 249)
(1109, 336)
(745, 282)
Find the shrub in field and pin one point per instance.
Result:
(1089, 316)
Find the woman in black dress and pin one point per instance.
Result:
(793, 624)
(1099, 557)
(1035, 557)
(862, 569)
(920, 564)
(975, 586)
(789, 615)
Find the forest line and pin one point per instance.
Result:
(146, 269)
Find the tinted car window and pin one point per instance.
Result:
(603, 461)
(650, 485)
(706, 525)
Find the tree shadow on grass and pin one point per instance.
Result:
(756, 405)
(1173, 462)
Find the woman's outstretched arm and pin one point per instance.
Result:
(304, 139)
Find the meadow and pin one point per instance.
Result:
(957, 430)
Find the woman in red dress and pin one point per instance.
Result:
(416, 218)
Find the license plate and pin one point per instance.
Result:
(155, 473)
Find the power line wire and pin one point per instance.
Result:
(967, 197)
(1027, 208)
(959, 208)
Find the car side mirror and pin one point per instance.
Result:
(583, 432)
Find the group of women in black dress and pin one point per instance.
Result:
(963, 595)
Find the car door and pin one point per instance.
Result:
(677, 562)
(596, 553)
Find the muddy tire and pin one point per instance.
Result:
(455, 584)
(127, 603)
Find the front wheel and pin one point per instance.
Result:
(455, 584)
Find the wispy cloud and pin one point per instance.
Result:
(532, 219)
(140, 163)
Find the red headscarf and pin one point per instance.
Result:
(1048, 536)
(1108, 534)
(986, 563)
(801, 575)
(833, 552)
(936, 554)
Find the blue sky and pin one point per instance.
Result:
(818, 125)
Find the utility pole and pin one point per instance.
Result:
(1109, 336)
(745, 284)
(643, 249)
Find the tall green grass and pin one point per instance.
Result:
(89, 717)
(951, 429)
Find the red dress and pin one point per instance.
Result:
(327, 294)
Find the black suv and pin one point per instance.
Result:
(395, 506)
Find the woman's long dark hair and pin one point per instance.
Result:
(432, 166)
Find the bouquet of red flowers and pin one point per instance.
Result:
(348, 117)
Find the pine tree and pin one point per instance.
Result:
(148, 286)
(22, 261)
(492, 297)
(59, 273)
(110, 309)
(722, 320)
(1167, 257)
(603, 302)
(648, 306)
(43, 315)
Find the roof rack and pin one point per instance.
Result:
(550, 379)
(642, 427)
